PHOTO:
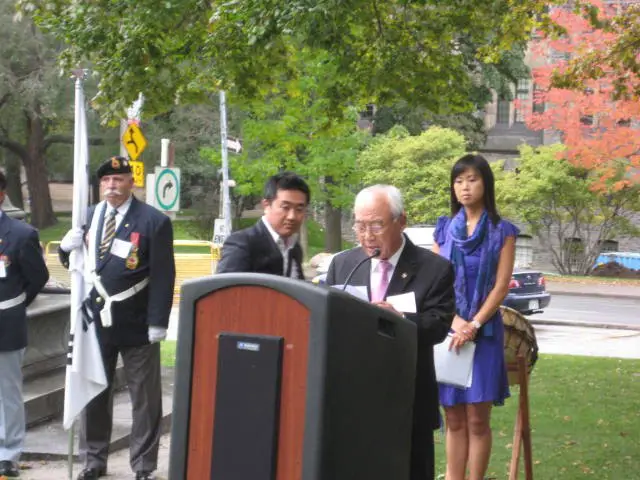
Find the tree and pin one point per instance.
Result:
(176, 51)
(292, 128)
(418, 165)
(555, 200)
(613, 54)
(36, 105)
(599, 130)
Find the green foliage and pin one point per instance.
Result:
(296, 127)
(418, 165)
(420, 51)
(555, 200)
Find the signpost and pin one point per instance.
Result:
(134, 141)
(167, 189)
(234, 144)
(138, 173)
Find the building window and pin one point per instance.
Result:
(608, 246)
(524, 251)
(573, 250)
(523, 95)
(502, 114)
(538, 106)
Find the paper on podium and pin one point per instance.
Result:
(357, 291)
(454, 368)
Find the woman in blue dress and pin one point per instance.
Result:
(481, 247)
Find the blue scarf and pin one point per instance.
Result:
(485, 237)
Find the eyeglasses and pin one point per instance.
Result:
(375, 228)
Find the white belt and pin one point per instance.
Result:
(14, 302)
(105, 313)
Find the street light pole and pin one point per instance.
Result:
(226, 200)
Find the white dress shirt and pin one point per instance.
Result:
(285, 246)
(122, 211)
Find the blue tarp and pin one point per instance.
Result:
(627, 259)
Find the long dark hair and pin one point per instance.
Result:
(476, 162)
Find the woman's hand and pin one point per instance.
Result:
(464, 332)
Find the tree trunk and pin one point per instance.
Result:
(333, 228)
(14, 184)
(42, 215)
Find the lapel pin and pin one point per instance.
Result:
(404, 275)
(126, 225)
(0, 240)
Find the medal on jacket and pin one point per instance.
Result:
(132, 260)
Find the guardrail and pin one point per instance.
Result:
(189, 264)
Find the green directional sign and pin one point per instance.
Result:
(167, 189)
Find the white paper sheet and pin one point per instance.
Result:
(357, 291)
(454, 368)
(405, 302)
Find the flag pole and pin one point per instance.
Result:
(78, 211)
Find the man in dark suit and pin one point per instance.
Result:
(271, 245)
(132, 269)
(401, 267)
(23, 273)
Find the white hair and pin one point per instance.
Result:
(394, 197)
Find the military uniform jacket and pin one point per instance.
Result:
(24, 271)
(154, 255)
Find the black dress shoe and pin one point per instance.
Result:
(145, 476)
(9, 469)
(92, 474)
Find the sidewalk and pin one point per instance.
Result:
(593, 289)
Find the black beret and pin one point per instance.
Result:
(114, 166)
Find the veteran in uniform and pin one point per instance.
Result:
(23, 273)
(130, 263)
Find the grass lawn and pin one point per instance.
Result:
(585, 418)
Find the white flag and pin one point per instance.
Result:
(85, 376)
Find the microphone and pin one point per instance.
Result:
(376, 253)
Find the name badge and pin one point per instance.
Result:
(3, 270)
(120, 248)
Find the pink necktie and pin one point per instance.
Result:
(378, 291)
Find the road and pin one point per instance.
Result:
(592, 310)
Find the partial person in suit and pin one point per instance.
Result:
(23, 273)
(132, 269)
(402, 267)
(271, 245)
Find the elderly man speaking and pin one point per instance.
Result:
(398, 266)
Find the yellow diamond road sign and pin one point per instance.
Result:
(134, 141)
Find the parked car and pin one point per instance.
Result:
(527, 292)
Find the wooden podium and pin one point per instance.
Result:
(278, 379)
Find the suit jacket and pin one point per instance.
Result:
(430, 277)
(253, 249)
(150, 306)
(25, 272)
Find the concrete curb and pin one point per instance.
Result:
(567, 323)
(590, 293)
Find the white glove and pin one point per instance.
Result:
(72, 240)
(157, 334)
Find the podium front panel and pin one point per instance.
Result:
(243, 311)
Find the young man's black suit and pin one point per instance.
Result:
(430, 277)
(253, 249)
